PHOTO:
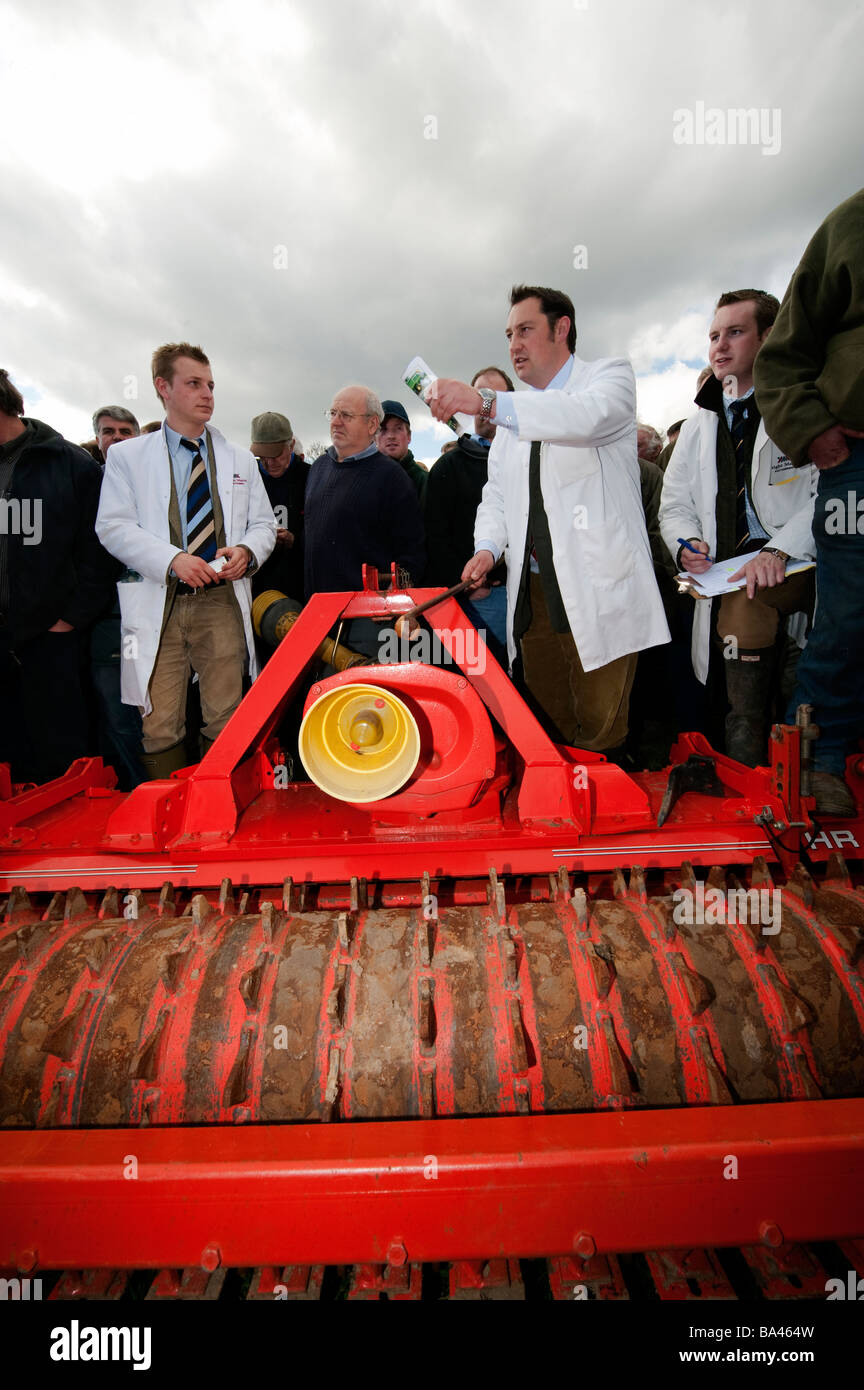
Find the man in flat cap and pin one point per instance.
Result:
(284, 476)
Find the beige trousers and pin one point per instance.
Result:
(753, 622)
(202, 632)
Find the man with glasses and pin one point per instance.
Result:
(361, 509)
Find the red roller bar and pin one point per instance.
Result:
(432, 1189)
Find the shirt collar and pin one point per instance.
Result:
(729, 401)
(364, 453)
(560, 378)
(174, 438)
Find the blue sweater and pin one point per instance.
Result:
(360, 511)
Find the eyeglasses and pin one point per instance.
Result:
(332, 414)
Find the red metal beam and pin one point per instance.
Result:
(83, 775)
(432, 1189)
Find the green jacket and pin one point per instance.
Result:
(809, 373)
(651, 484)
(665, 455)
(416, 473)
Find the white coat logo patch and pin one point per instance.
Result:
(782, 469)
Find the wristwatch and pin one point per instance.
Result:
(488, 399)
(769, 550)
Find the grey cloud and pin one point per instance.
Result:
(554, 129)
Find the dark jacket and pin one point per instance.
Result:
(284, 569)
(59, 571)
(809, 373)
(665, 455)
(651, 483)
(360, 511)
(416, 473)
(453, 495)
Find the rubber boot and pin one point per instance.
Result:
(206, 744)
(749, 683)
(833, 796)
(162, 764)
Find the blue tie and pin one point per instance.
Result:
(200, 525)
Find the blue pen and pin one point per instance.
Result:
(693, 550)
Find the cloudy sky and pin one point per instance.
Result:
(316, 192)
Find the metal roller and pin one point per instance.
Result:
(577, 1003)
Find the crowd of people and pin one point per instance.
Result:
(129, 565)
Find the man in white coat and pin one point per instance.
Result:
(729, 490)
(563, 497)
(173, 503)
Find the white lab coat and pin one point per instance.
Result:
(589, 478)
(132, 523)
(783, 497)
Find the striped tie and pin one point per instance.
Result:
(200, 526)
(738, 410)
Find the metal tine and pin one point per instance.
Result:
(226, 898)
(837, 869)
(167, 902)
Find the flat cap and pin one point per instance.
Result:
(270, 431)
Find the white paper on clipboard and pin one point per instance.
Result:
(715, 581)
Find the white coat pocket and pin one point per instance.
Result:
(136, 605)
(571, 465)
(139, 638)
(609, 562)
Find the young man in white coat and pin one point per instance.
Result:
(172, 503)
(563, 497)
(729, 490)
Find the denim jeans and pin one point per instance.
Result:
(831, 670)
(119, 727)
(489, 616)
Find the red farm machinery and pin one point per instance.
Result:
(457, 1001)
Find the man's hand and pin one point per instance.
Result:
(283, 537)
(238, 562)
(695, 564)
(61, 626)
(478, 567)
(446, 397)
(193, 570)
(762, 572)
(830, 448)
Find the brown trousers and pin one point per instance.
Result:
(753, 622)
(201, 632)
(589, 708)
